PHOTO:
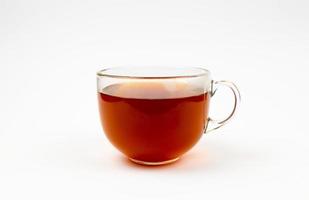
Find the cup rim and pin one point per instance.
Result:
(105, 73)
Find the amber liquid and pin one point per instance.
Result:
(153, 122)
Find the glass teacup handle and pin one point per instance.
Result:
(213, 124)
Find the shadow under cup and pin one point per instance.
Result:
(154, 116)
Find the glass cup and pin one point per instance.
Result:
(155, 115)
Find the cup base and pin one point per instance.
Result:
(140, 162)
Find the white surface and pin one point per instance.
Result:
(51, 142)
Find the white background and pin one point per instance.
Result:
(51, 142)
